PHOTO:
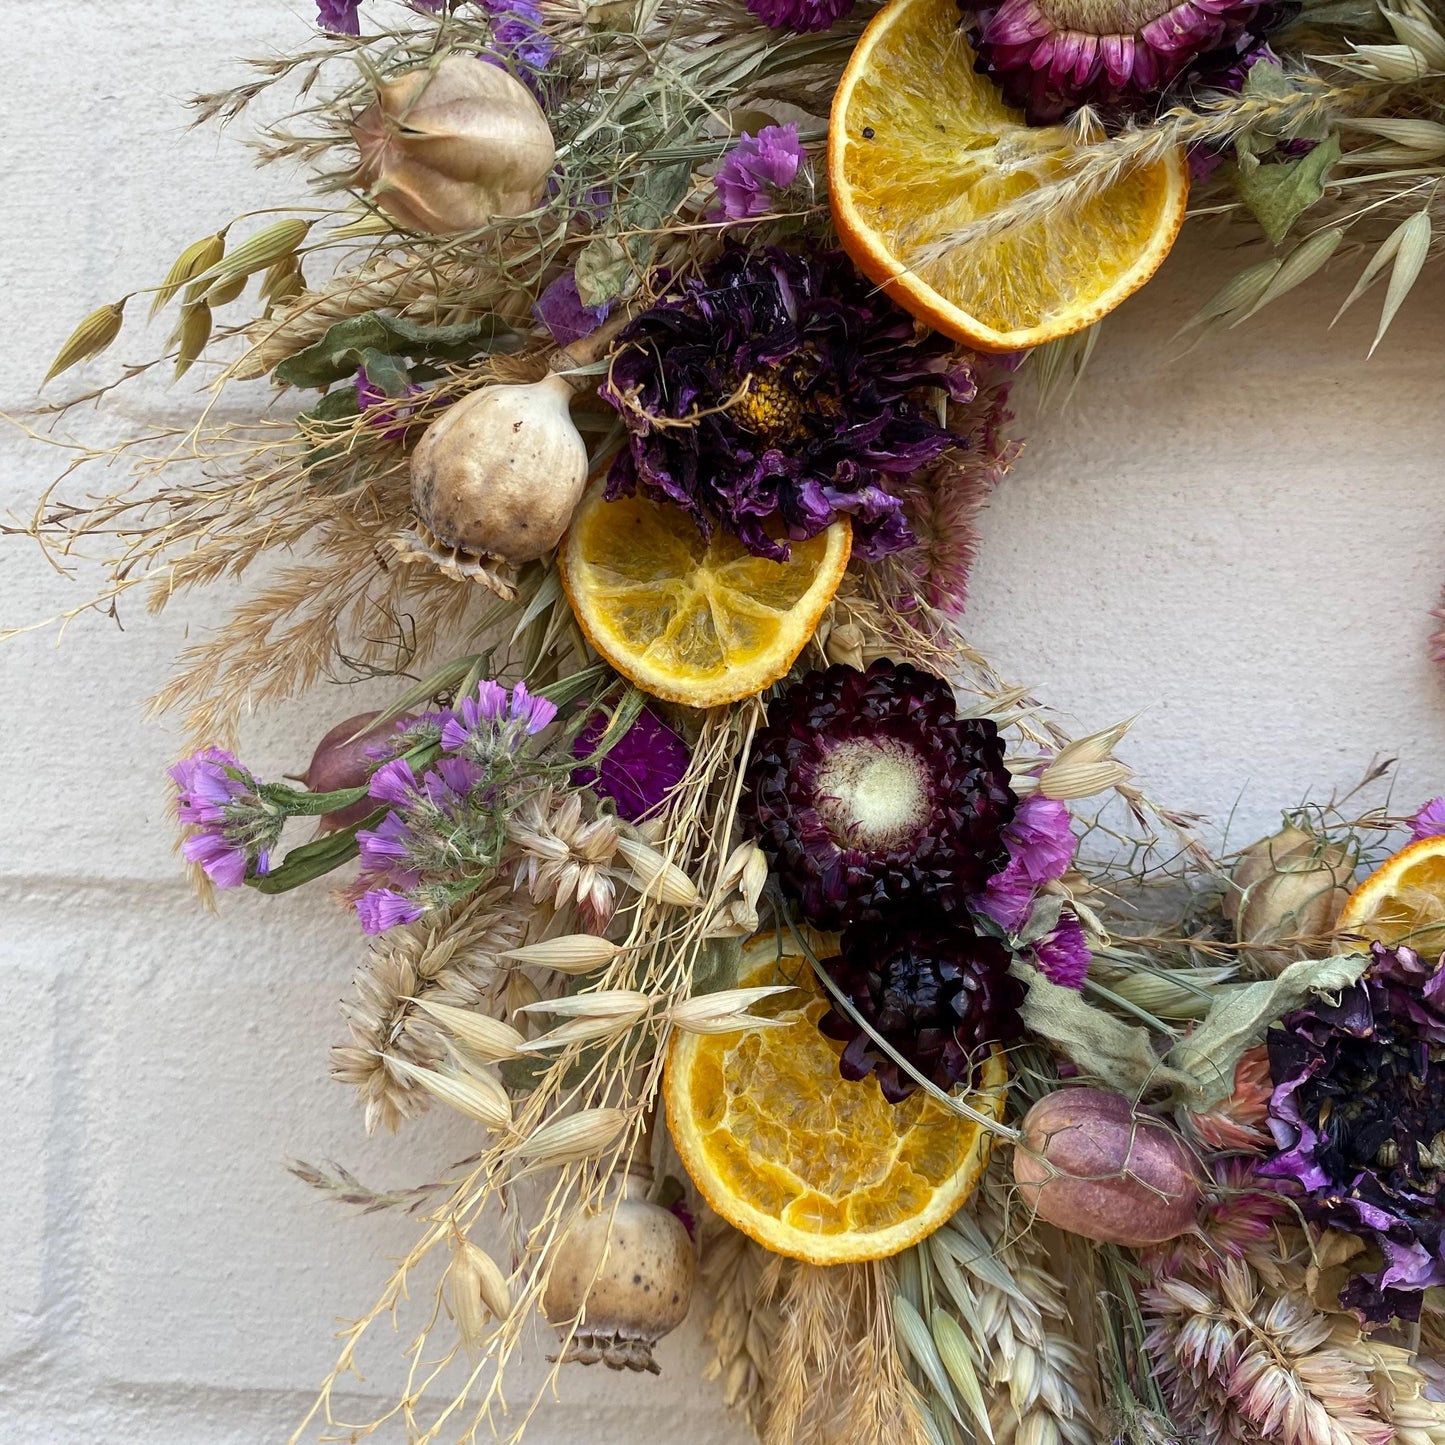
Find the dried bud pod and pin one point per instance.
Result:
(1091, 1163)
(629, 1274)
(499, 474)
(454, 145)
(341, 761)
(1288, 886)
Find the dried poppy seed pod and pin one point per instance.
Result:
(1291, 885)
(450, 147)
(498, 475)
(629, 1273)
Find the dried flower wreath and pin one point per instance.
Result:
(654, 362)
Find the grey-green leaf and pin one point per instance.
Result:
(1279, 192)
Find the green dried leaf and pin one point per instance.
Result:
(316, 859)
(1119, 1055)
(1206, 1059)
(389, 373)
(344, 347)
(719, 961)
(1280, 192)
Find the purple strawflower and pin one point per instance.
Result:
(800, 15)
(774, 393)
(1063, 956)
(559, 308)
(639, 770)
(1041, 846)
(1358, 1118)
(1429, 822)
(383, 908)
(339, 16)
(230, 825)
(757, 170)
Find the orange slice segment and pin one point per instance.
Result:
(693, 622)
(922, 152)
(1402, 901)
(805, 1162)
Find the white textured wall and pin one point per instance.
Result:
(1241, 547)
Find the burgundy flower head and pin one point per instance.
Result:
(1049, 57)
(870, 795)
(778, 391)
(1358, 1115)
(940, 995)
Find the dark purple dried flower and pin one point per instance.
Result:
(639, 770)
(939, 994)
(794, 379)
(757, 170)
(1358, 1115)
(800, 15)
(870, 795)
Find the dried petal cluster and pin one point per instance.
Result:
(773, 394)
(1358, 1117)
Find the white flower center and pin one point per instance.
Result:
(1105, 17)
(873, 794)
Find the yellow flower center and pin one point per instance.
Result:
(770, 407)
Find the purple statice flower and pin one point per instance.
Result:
(383, 908)
(1429, 822)
(1358, 1119)
(559, 308)
(492, 726)
(340, 17)
(797, 385)
(1063, 956)
(1041, 846)
(639, 770)
(757, 170)
(230, 826)
(800, 15)
(440, 829)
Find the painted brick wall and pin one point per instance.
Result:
(1239, 545)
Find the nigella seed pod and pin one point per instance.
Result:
(1290, 886)
(452, 146)
(497, 477)
(628, 1272)
(1091, 1163)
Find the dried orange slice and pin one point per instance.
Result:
(921, 150)
(805, 1162)
(694, 622)
(1402, 901)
